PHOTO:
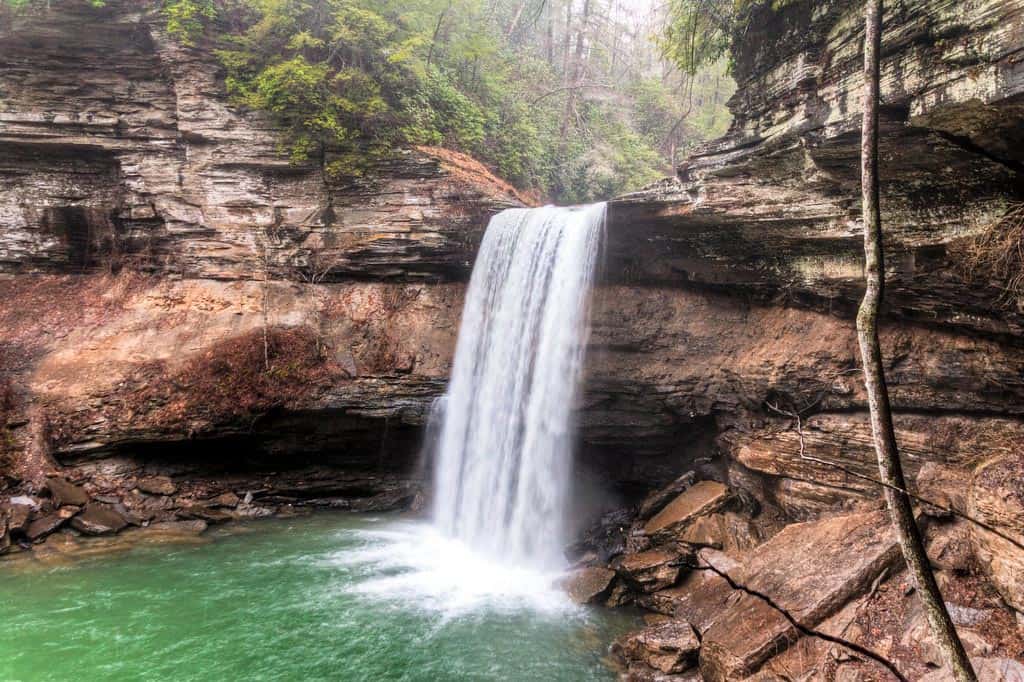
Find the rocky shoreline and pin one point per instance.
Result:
(728, 597)
(265, 338)
(105, 500)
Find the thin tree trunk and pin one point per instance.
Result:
(515, 20)
(437, 32)
(884, 436)
(549, 8)
(567, 41)
(577, 71)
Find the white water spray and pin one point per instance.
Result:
(504, 450)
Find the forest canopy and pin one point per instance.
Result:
(569, 99)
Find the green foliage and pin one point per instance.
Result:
(351, 80)
(186, 19)
(698, 33)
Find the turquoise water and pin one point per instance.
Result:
(325, 597)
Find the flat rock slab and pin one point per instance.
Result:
(44, 525)
(650, 571)
(65, 492)
(810, 570)
(17, 516)
(702, 498)
(669, 647)
(587, 585)
(98, 519)
(156, 485)
(657, 500)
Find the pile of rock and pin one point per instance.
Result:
(732, 597)
(105, 499)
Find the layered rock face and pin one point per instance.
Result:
(738, 282)
(179, 301)
(156, 248)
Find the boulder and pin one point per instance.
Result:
(605, 539)
(721, 530)
(700, 598)
(669, 647)
(657, 500)
(588, 585)
(950, 547)
(997, 498)
(64, 492)
(44, 525)
(620, 595)
(17, 518)
(228, 499)
(98, 519)
(650, 571)
(703, 498)
(25, 500)
(810, 570)
(156, 485)
(204, 512)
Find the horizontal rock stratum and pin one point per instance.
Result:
(178, 301)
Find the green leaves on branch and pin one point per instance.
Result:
(699, 32)
(349, 81)
(187, 19)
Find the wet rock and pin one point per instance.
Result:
(650, 571)
(669, 647)
(208, 514)
(702, 498)
(44, 525)
(130, 517)
(605, 539)
(997, 498)
(64, 492)
(193, 527)
(228, 499)
(98, 519)
(156, 485)
(700, 598)
(620, 595)
(588, 585)
(17, 518)
(810, 570)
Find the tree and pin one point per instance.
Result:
(884, 436)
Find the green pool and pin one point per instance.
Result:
(323, 597)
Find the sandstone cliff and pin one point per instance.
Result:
(158, 254)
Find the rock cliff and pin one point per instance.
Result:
(157, 255)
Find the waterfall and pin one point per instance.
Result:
(504, 449)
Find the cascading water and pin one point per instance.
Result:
(504, 449)
(501, 439)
